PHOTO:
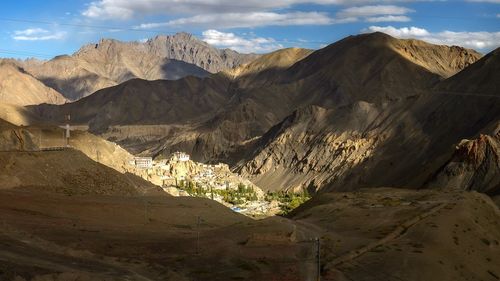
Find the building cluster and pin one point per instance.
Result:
(178, 170)
(178, 174)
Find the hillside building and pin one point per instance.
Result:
(180, 156)
(143, 162)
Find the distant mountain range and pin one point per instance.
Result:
(369, 110)
(111, 62)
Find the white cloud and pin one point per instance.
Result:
(37, 34)
(30, 31)
(365, 11)
(376, 13)
(255, 19)
(485, 1)
(481, 40)
(238, 43)
(126, 9)
(404, 32)
(388, 19)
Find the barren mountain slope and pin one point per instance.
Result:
(144, 102)
(440, 59)
(17, 115)
(381, 234)
(186, 47)
(20, 88)
(265, 68)
(364, 67)
(475, 165)
(69, 75)
(111, 62)
(68, 172)
(398, 143)
(479, 78)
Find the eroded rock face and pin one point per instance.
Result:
(16, 139)
(475, 165)
(312, 160)
(306, 152)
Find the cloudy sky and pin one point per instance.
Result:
(33, 28)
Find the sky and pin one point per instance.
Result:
(44, 29)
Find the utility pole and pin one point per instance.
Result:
(318, 254)
(67, 134)
(198, 220)
(145, 211)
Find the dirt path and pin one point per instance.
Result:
(396, 233)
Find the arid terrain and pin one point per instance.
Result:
(396, 141)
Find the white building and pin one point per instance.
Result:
(143, 162)
(180, 156)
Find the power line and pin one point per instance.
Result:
(25, 53)
(165, 32)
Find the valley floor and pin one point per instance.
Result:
(378, 234)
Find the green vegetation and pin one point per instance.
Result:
(243, 193)
(288, 200)
(238, 196)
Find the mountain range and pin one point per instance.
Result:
(388, 135)
(293, 119)
(110, 62)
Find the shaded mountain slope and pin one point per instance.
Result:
(24, 164)
(355, 109)
(68, 172)
(144, 102)
(479, 78)
(20, 88)
(18, 115)
(398, 143)
(392, 144)
(364, 67)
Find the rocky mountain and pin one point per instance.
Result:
(17, 87)
(475, 165)
(337, 118)
(357, 145)
(111, 62)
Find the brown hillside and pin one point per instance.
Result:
(20, 88)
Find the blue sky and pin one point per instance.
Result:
(43, 29)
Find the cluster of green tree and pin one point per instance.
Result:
(192, 188)
(236, 196)
(239, 195)
(288, 200)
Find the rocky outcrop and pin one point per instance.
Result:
(475, 165)
(300, 154)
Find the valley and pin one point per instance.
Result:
(372, 158)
